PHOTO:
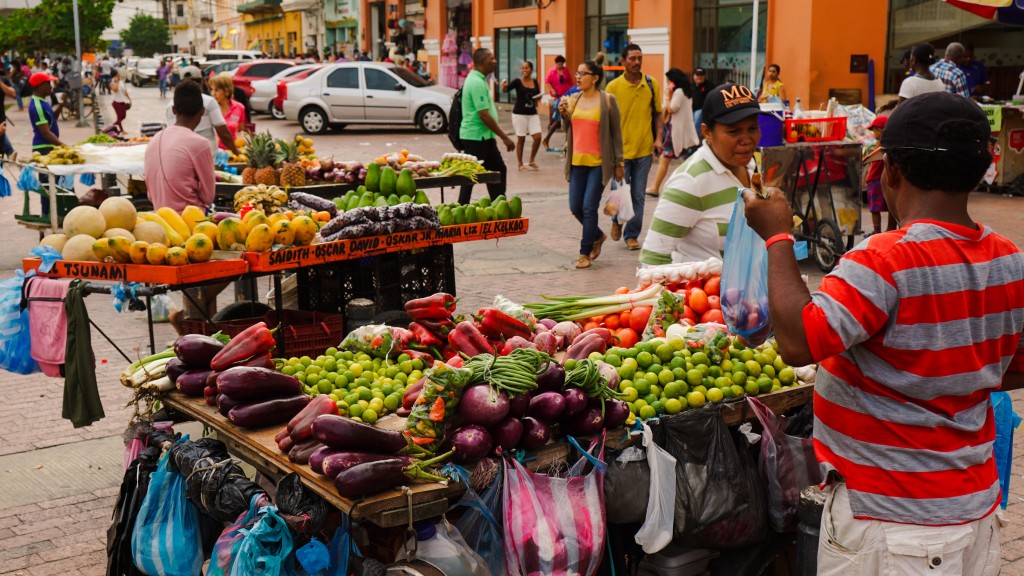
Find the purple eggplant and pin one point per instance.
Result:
(301, 452)
(267, 412)
(225, 404)
(316, 459)
(535, 434)
(518, 405)
(616, 412)
(575, 401)
(552, 379)
(507, 433)
(193, 382)
(347, 434)
(339, 460)
(471, 443)
(176, 368)
(483, 405)
(218, 216)
(197, 350)
(251, 384)
(373, 477)
(547, 406)
(587, 422)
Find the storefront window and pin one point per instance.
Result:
(511, 47)
(722, 39)
(606, 24)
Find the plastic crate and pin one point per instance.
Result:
(815, 129)
(390, 280)
(305, 333)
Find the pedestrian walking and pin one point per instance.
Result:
(557, 81)
(594, 154)
(948, 70)
(639, 99)
(19, 81)
(701, 87)
(679, 135)
(106, 71)
(525, 120)
(122, 100)
(479, 128)
(912, 332)
(212, 126)
(873, 180)
(163, 73)
(922, 81)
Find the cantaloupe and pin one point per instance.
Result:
(85, 220)
(118, 212)
(119, 233)
(150, 233)
(79, 247)
(56, 241)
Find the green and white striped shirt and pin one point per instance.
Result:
(693, 211)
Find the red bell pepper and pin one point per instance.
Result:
(254, 340)
(439, 328)
(436, 307)
(467, 339)
(426, 358)
(496, 324)
(300, 427)
(424, 336)
(403, 338)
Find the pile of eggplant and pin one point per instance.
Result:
(296, 439)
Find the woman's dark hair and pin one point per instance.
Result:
(595, 69)
(681, 81)
(778, 69)
(949, 171)
(924, 54)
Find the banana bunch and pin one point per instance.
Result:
(268, 199)
(59, 155)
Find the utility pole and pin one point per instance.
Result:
(76, 68)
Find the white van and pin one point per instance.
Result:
(232, 55)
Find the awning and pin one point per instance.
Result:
(1004, 11)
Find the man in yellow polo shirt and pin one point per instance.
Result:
(639, 101)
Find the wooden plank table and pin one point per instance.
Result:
(257, 447)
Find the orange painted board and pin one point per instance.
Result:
(142, 273)
(298, 256)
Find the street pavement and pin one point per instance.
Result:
(60, 483)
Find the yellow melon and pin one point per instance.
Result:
(79, 247)
(156, 254)
(56, 241)
(85, 220)
(119, 233)
(199, 247)
(118, 212)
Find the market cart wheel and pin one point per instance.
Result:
(828, 244)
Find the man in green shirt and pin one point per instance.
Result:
(480, 124)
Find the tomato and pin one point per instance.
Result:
(596, 320)
(611, 321)
(712, 286)
(691, 284)
(712, 315)
(714, 302)
(622, 290)
(626, 338)
(697, 300)
(624, 318)
(688, 315)
(639, 317)
(590, 326)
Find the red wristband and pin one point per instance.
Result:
(779, 238)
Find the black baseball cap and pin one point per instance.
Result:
(728, 104)
(938, 122)
(699, 71)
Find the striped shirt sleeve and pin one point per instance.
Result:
(853, 304)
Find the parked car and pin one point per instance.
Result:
(143, 71)
(365, 93)
(212, 55)
(213, 67)
(258, 70)
(264, 92)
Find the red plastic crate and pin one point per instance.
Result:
(815, 129)
(305, 333)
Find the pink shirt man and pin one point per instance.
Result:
(179, 169)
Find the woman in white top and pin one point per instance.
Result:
(923, 81)
(122, 101)
(680, 133)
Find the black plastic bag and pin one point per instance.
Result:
(749, 524)
(302, 509)
(626, 484)
(129, 500)
(214, 483)
(709, 472)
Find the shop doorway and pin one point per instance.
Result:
(511, 47)
(721, 40)
(378, 31)
(607, 22)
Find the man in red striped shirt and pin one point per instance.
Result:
(913, 330)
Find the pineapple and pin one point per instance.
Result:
(249, 173)
(261, 159)
(292, 174)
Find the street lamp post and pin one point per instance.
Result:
(77, 67)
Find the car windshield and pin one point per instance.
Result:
(409, 77)
(148, 63)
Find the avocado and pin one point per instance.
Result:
(459, 215)
(500, 198)
(483, 202)
(373, 177)
(445, 217)
(502, 211)
(388, 181)
(421, 197)
(405, 184)
(393, 200)
(515, 204)
(489, 213)
(480, 214)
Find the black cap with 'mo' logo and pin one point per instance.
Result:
(728, 104)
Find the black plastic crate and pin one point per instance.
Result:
(390, 280)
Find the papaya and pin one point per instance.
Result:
(502, 211)
(199, 247)
(277, 216)
(175, 220)
(259, 239)
(381, 201)
(137, 251)
(421, 197)
(120, 249)
(254, 219)
(177, 256)
(404, 199)
(444, 216)
(388, 181)
(515, 205)
(208, 228)
(101, 249)
(405, 186)
(373, 177)
(173, 237)
(192, 215)
(283, 233)
(304, 229)
(156, 254)
(231, 234)
(393, 200)
(366, 200)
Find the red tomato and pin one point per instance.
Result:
(596, 319)
(624, 319)
(590, 326)
(712, 286)
(611, 321)
(688, 315)
(626, 338)
(697, 300)
(712, 315)
(691, 284)
(639, 317)
(622, 290)
(714, 302)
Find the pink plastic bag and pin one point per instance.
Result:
(787, 463)
(555, 525)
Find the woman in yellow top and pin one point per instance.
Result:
(772, 86)
(593, 153)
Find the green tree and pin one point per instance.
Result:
(50, 26)
(146, 35)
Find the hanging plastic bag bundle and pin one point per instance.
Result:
(480, 525)
(15, 340)
(656, 531)
(745, 280)
(619, 204)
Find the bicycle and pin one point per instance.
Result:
(69, 99)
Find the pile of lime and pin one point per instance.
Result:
(667, 377)
(365, 388)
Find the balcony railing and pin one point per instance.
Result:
(259, 6)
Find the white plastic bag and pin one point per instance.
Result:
(163, 305)
(656, 532)
(619, 204)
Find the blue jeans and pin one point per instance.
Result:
(698, 118)
(585, 191)
(163, 87)
(637, 170)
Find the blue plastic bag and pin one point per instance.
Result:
(28, 181)
(5, 187)
(226, 548)
(15, 340)
(166, 540)
(744, 285)
(265, 547)
(481, 525)
(1006, 421)
(48, 254)
(340, 549)
(66, 182)
(87, 179)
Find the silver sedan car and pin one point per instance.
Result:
(264, 91)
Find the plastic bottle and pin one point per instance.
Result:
(798, 110)
(787, 113)
(442, 546)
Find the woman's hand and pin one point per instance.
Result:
(620, 172)
(563, 107)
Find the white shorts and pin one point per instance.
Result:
(526, 124)
(851, 547)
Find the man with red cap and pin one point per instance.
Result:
(46, 133)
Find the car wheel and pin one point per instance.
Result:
(276, 112)
(313, 121)
(431, 120)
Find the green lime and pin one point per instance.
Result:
(677, 362)
(403, 357)
(664, 352)
(289, 370)
(694, 377)
(629, 353)
(752, 388)
(655, 368)
(569, 365)
(639, 403)
(364, 393)
(647, 412)
(355, 411)
(746, 355)
(644, 359)
(658, 406)
(417, 364)
(325, 386)
(626, 372)
(768, 370)
(377, 405)
(673, 406)
(695, 399)
(369, 416)
(787, 376)
(672, 389)
(715, 395)
(393, 402)
(651, 398)
(666, 376)
(723, 382)
(313, 369)
(656, 390)
(738, 391)
(356, 369)
(700, 358)
(306, 360)
(726, 366)
(404, 367)
(753, 368)
(312, 379)
(764, 384)
(613, 359)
